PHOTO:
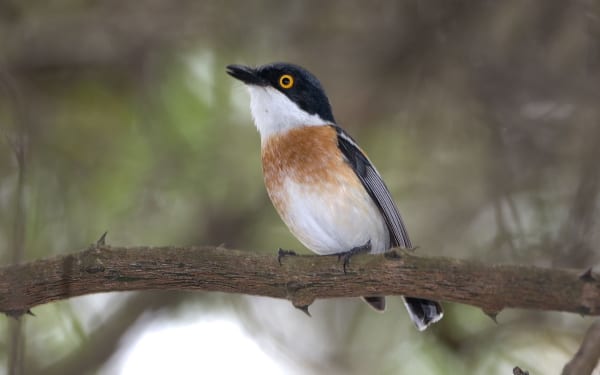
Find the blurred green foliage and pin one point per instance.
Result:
(482, 118)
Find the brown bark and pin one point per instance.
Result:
(300, 279)
(587, 356)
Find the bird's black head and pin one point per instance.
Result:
(295, 82)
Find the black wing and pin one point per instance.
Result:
(373, 183)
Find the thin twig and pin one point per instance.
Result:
(586, 358)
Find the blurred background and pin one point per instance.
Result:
(482, 117)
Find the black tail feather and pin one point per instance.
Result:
(423, 312)
(378, 303)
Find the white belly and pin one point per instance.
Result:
(334, 219)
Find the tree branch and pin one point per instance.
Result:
(300, 279)
(587, 356)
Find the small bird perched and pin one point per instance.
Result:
(321, 183)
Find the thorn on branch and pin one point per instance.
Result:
(300, 301)
(102, 240)
(304, 309)
(587, 276)
(99, 243)
(91, 263)
(492, 314)
(17, 314)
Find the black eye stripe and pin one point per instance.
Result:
(304, 89)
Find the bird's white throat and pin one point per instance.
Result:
(273, 112)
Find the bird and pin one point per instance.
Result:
(321, 183)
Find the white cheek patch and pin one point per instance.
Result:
(273, 112)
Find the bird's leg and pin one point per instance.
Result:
(284, 253)
(352, 252)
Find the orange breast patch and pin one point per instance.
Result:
(309, 156)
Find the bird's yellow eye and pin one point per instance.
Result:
(286, 81)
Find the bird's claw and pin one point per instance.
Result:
(282, 253)
(345, 256)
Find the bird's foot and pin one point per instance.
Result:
(281, 253)
(352, 252)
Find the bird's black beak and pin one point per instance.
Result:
(245, 74)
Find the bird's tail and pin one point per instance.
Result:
(423, 312)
